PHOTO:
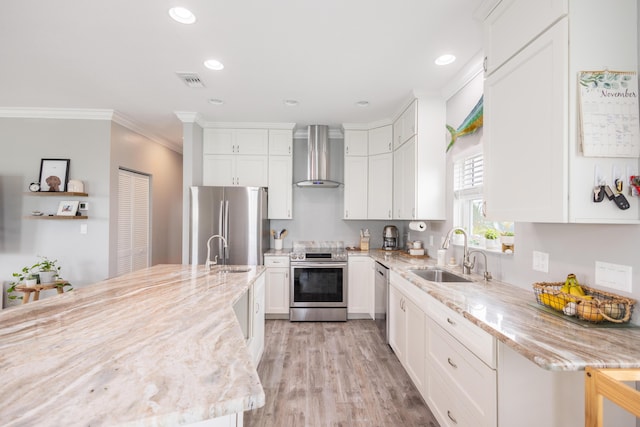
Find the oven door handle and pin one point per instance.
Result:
(319, 265)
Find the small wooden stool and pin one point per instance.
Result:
(600, 383)
(35, 289)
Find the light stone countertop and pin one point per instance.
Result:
(510, 314)
(160, 346)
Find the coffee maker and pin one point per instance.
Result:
(390, 238)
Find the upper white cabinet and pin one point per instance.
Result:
(535, 170)
(355, 143)
(406, 125)
(355, 187)
(419, 171)
(515, 23)
(280, 174)
(381, 140)
(236, 141)
(280, 142)
(380, 187)
(229, 170)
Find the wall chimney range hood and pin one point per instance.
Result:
(318, 159)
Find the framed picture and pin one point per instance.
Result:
(68, 208)
(54, 174)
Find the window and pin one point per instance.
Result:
(468, 202)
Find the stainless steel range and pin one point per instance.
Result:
(318, 284)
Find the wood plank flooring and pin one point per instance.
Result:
(334, 374)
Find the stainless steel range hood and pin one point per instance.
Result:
(318, 159)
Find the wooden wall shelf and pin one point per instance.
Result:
(55, 193)
(56, 217)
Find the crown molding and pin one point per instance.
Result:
(56, 113)
(248, 125)
(189, 117)
(303, 133)
(471, 69)
(128, 123)
(86, 114)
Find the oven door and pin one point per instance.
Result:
(318, 284)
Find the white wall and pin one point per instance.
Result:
(96, 149)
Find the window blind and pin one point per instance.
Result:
(467, 176)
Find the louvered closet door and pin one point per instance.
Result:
(133, 221)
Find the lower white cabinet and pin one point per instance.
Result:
(256, 340)
(277, 286)
(360, 286)
(461, 389)
(407, 330)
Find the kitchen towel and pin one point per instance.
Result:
(417, 226)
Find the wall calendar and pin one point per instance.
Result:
(609, 125)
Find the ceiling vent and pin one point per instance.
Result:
(191, 79)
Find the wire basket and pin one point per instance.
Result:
(596, 306)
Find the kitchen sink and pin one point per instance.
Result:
(440, 276)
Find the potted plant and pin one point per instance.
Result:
(48, 269)
(491, 238)
(458, 237)
(507, 240)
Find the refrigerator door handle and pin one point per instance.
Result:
(226, 230)
(221, 230)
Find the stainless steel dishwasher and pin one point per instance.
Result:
(382, 300)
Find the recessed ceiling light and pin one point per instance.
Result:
(216, 101)
(213, 64)
(290, 102)
(362, 103)
(182, 15)
(445, 59)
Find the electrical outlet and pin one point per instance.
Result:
(541, 261)
(83, 228)
(614, 276)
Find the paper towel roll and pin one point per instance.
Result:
(417, 226)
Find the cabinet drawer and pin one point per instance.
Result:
(469, 376)
(450, 409)
(482, 344)
(276, 261)
(515, 23)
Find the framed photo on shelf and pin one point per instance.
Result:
(54, 174)
(68, 208)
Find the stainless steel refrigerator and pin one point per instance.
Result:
(237, 213)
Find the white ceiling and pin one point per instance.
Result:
(327, 54)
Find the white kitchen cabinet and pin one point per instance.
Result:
(360, 287)
(534, 169)
(280, 187)
(236, 141)
(419, 171)
(380, 186)
(280, 142)
(381, 140)
(461, 389)
(355, 142)
(257, 320)
(404, 181)
(355, 187)
(406, 125)
(515, 23)
(277, 286)
(407, 329)
(231, 169)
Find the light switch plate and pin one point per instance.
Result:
(614, 276)
(83, 228)
(541, 261)
(430, 240)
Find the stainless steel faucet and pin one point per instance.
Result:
(466, 265)
(209, 263)
(487, 275)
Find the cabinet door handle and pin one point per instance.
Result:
(389, 146)
(238, 148)
(347, 149)
(289, 149)
(484, 64)
(451, 322)
(451, 417)
(257, 307)
(453, 365)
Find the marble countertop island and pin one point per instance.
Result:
(160, 346)
(511, 314)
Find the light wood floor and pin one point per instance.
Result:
(334, 374)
